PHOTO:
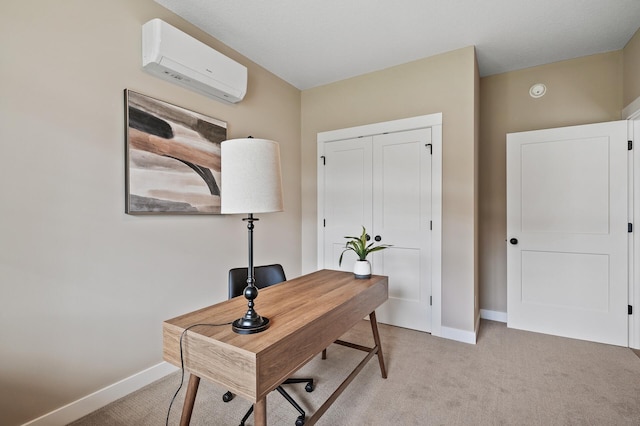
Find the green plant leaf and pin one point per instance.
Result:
(360, 247)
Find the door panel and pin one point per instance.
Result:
(406, 283)
(573, 177)
(402, 214)
(557, 280)
(567, 208)
(348, 197)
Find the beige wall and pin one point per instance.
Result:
(84, 287)
(579, 91)
(631, 53)
(444, 83)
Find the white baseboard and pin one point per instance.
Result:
(85, 405)
(472, 336)
(493, 315)
(458, 335)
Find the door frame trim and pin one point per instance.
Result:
(433, 121)
(632, 113)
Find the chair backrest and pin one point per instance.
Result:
(264, 276)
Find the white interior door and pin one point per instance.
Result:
(401, 217)
(567, 237)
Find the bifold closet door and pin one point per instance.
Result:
(348, 197)
(383, 182)
(402, 217)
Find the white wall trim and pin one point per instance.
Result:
(458, 335)
(87, 404)
(412, 123)
(632, 111)
(493, 315)
(634, 287)
(436, 232)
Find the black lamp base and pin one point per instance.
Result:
(246, 325)
(251, 322)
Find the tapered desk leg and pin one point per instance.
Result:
(189, 400)
(376, 339)
(260, 412)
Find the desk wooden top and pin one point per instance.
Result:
(306, 315)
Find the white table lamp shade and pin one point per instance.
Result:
(250, 176)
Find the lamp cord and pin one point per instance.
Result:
(182, 363)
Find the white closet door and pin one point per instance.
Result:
(387, 178)
(567, 214)
(347, 196)
(401, 217)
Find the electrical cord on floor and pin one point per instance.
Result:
(182, 362)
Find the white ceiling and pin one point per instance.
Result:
(309, 43)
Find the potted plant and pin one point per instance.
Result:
(361, 247)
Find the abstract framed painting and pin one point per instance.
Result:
(172, 158)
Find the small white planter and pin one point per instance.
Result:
(362, 269)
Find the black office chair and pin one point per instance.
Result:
(264, 276)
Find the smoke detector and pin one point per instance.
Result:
(537, 90)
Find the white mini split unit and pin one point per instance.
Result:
(175, 56)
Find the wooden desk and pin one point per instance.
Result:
(307, 314)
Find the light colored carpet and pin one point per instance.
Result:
(509, 377)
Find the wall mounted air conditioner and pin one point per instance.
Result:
(175, 56)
